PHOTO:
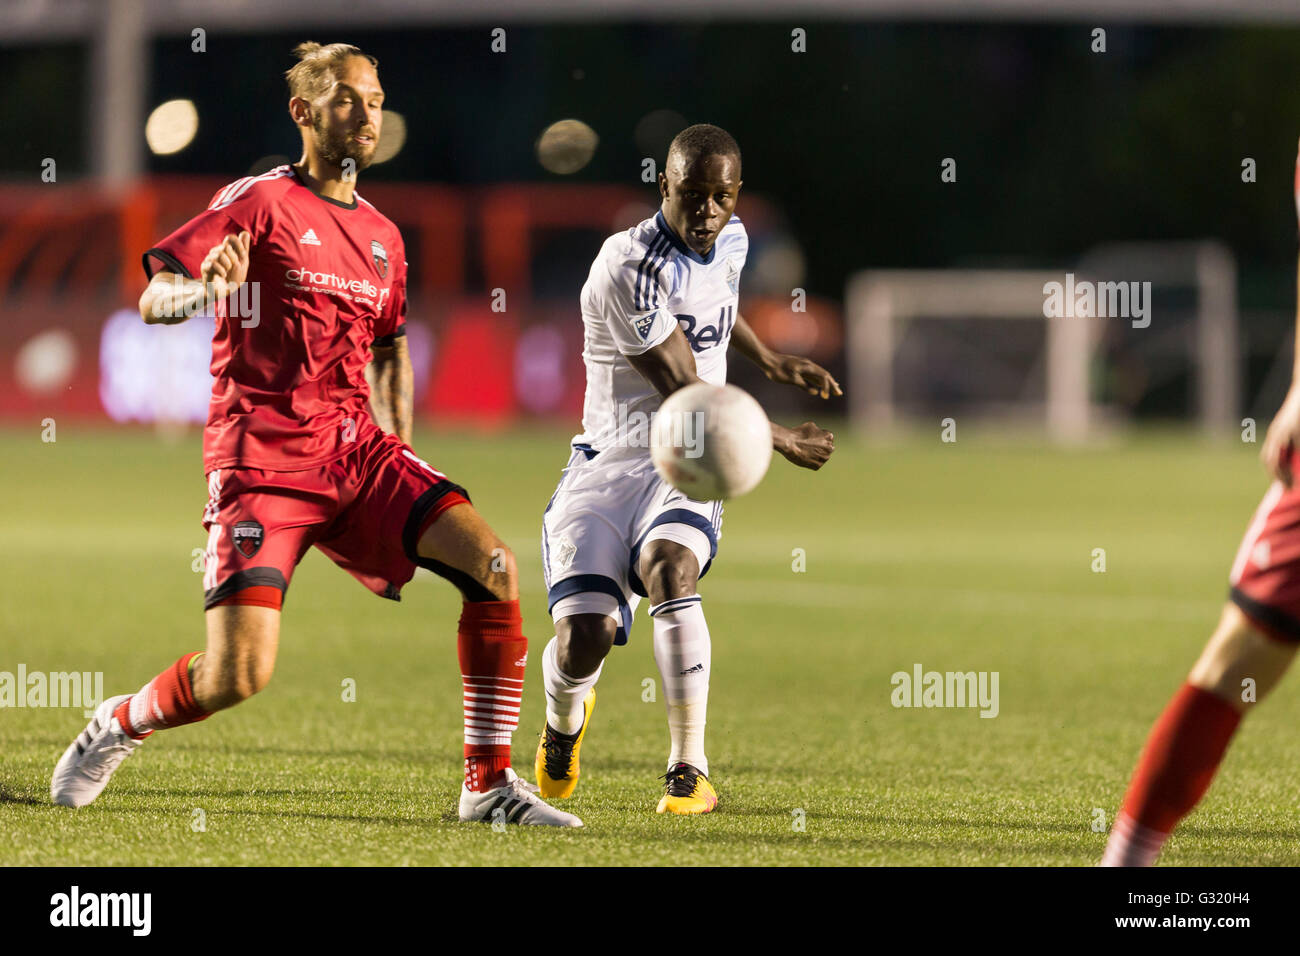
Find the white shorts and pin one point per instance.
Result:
(606, 507)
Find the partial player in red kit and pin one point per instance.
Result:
(308, 443)
(1248, 655)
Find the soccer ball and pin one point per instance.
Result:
(711, 441)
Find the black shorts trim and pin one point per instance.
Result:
(1279, 622)
(423, 505)
(248, 578)
(388, 341)
(166, 258)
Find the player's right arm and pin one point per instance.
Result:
(631, 293)
(169, 298)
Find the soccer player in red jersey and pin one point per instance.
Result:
(308, 443)
(1247, 656)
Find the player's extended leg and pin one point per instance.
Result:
(236, 664)
(1239, 666)
(670, 572)
(571, 665)
(460, 546)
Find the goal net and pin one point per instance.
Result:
(1047, 348)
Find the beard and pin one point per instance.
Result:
(336, 146)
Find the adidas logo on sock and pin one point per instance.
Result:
(693, 670)
(309, 238)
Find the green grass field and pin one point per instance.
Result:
(969, 556)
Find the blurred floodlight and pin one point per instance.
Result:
(45, 362)
(171, 127)
(392, 137)
(656, 130)
(566, 146)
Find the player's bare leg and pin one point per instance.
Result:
(571, 665)
(240, 656)
(460, 546)
(1239, 658)
(236, 664)
(683, 651)
(1239, 666)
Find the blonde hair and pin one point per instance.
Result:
(313, 75)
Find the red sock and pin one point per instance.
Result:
(166, 701)
(492, 650)
(1180, 758)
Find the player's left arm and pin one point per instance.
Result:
(392, 387)
(785, 369)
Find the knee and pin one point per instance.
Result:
(503, 572)
(583, 641)
(668, 570)
(495, 575)
(219, 684)
(1240, 664)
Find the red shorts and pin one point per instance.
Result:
(366, 511)
(1265, 577)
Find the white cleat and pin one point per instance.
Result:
(83, 771)
(515, 801)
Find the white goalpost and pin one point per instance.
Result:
(882, 307)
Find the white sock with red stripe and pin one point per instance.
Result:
(684, 652)
(565, 694)
(493, 652)
(1132, 844)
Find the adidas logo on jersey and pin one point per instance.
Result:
(309, 238)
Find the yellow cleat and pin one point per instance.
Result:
(686, 792)
(556, 765)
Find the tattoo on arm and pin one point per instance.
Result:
(402, 395)
(392, 388)
(379, 375)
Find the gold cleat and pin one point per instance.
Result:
(556, 765)
(686, 792)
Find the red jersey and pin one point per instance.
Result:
(325, 279)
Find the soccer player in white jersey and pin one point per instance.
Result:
(659, 310)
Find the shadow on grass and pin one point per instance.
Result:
(282, 814)
(188, 792)
(416, 757)
(9, 796)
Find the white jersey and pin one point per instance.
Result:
(645, 283)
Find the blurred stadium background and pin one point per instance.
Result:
(1122, 165)
(1059, 151)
